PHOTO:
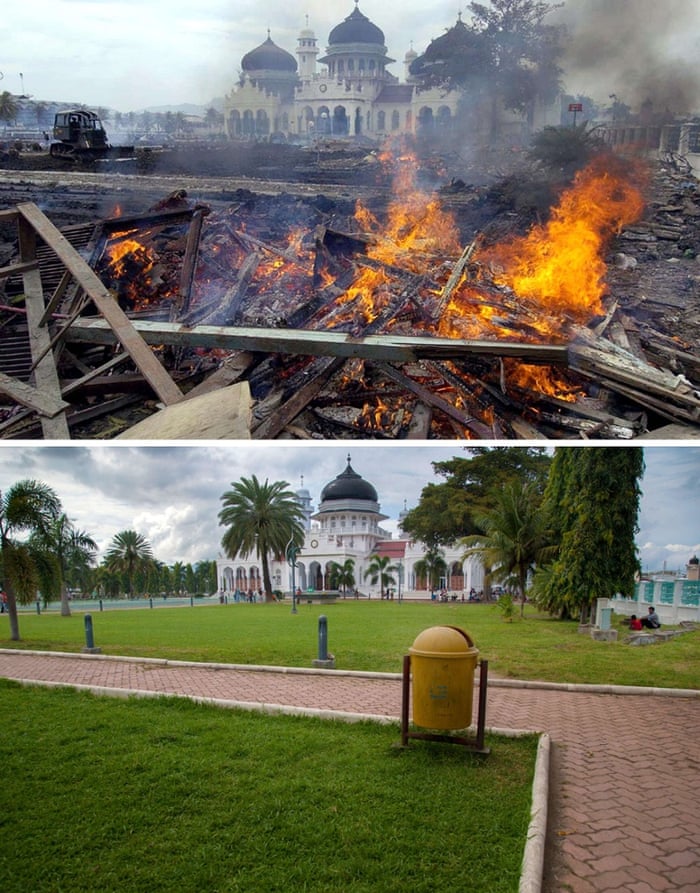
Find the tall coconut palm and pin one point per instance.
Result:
(380, 570)
(343, 575)
(515, 536)
(27, 507)
(128, 553)
(263, 518)
(74, 551)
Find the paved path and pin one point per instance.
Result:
(624, 812)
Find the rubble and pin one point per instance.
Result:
(266, 290)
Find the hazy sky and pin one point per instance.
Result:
(171, 494)
(130, 54)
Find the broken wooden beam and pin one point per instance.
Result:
(389, 348)
(23, 393)
(45, 375)
(114, 316)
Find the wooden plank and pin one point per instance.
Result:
(391, 348)
(54, 427)
(287, 412)
(419, 428)
(15, 269)
(21, 392)
(471, 424)
(114, 316)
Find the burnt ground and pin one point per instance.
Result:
(653, 266)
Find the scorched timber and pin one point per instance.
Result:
(388, 348)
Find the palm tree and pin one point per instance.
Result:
(28, 506)
(515, 537)
(380, 571)
(343, 575)
(73, 549)
(432, 566)
(8, 107)
(263, 518)
(128, 553)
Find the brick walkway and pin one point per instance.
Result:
(624, 812)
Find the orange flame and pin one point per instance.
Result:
(560, 264)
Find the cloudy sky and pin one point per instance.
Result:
(132, 54)
(172, 494)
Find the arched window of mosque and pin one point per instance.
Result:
(351, 64)
(395, 120)
(381, 116)
(361, 65)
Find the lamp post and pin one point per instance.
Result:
(291, 552)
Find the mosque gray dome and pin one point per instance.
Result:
(269, 57)
(356, 28)
(349, 485)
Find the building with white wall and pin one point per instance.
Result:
(348, 525)
(346, 91)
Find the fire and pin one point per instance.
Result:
(541, 380)
(416, 229)
(559, 265)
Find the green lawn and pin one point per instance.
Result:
(129, 796)
(369, 636)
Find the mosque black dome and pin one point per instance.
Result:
(268, 57)
(356, 28)
(349, 485)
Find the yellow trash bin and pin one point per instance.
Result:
(443, 659)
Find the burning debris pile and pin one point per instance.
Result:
(332, 319)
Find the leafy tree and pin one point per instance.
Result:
(129, 554)
(380, 570)
(447, 511)
(524, 51)
(178, 577)
(27, 507)
(343, 575)
(515, 537)
(205, 577)
(507, 55)
(74, 550)
(592, 505)
(261, 517)
(9, 107)
(431, 567)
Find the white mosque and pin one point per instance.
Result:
(353, 94)
(347, 525)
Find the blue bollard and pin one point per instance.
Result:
(101, 607)
(89, 637)
(150, 602)
(323, 637)
(38, 606)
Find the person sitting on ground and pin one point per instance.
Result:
(635, 622)
(651, 621)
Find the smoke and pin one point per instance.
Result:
(639, 50)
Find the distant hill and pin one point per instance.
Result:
(187, 108)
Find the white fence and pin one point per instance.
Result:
(675, 600)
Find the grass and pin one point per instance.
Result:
(105, 795)
(369, 636)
